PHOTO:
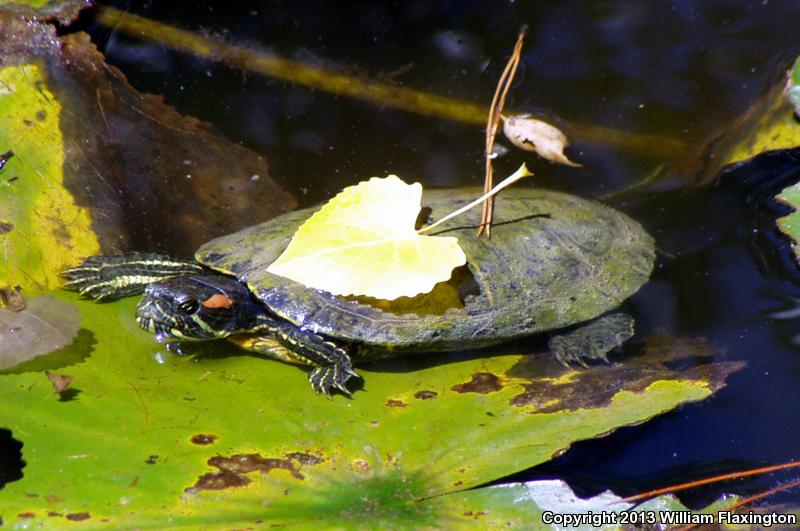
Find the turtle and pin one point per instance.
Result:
(556, 263)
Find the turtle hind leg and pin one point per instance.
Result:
(593, 340)
(106, 278)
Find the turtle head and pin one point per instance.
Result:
(196, 308)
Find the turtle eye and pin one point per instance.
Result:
(189, 306)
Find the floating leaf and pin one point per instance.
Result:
(544, 139)
(64, 11)
(61, 382)
(768, 125)
(227, 440)
(117, 163)
(790, 224)
(44, 231)
(47, 324)
(363, 242)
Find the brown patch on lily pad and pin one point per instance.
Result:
(203, 439)
(360, 466)
(77, 517)
(662, 358)
(425, 395)
(481, 383)
(221, 480)
(232, 470)
(393, 402)
(304, 458)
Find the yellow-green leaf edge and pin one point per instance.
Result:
(46, 230)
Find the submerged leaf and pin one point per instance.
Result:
(544, 139)
(47, 324)
(363, 242)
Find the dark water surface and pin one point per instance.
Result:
(680, 69)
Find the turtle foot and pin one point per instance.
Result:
(330, 378)
(592, 341)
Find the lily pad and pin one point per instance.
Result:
(45, 230)
(64, 11)
(769, 124)
(227, 437)
(790, 224)
(98, 166)
(45, 325)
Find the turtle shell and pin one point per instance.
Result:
(553, 260)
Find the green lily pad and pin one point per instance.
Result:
(790, 224)
(224, 436)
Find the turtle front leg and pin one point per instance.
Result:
(593, 340)
(331, 365)
(106, 278)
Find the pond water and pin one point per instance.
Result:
(680, 70)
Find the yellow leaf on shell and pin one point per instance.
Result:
(363, 242)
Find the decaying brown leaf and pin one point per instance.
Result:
(544, 139)
(61, 382)
(151, 178)
(12, 299)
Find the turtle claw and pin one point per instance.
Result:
(327, 379)
(592, 341)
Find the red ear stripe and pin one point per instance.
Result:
(217, 300)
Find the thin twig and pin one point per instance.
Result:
(715, 479)
(521, 173)
(754, 498)
(493, 122)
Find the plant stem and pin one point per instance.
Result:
(493, 122)
(516, 176)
